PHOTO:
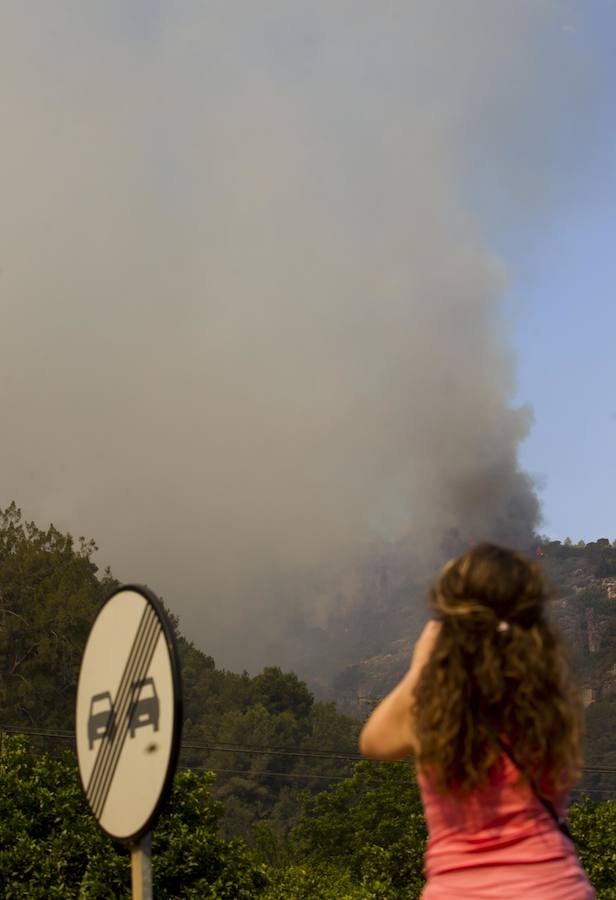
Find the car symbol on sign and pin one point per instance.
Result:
(144, 708)
(101, 721)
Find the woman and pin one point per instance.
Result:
(487, 685)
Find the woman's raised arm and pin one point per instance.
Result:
(389, 733)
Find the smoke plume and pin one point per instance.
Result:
(251, 325)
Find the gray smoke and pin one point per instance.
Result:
(250, 324)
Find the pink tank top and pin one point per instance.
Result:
(499, 842)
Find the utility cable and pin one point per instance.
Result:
(250, 749)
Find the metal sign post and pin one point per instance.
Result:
(141, 868)
(128, 721)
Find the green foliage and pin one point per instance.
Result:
(50, 846)
(191, 859)
(249, 792)
(280, 693)
(274, 710)
(49, 593)
(370, 825)
(362, 839)
(599, 557)
(308, 882)
(594, 828)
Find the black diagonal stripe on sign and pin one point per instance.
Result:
(122, 707)
(132, 672)
(106, 745)
(149, 646)
(105, 748)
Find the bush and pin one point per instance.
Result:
(372, 827)
(50, 845)
(594, 828)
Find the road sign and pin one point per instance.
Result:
(129, 713)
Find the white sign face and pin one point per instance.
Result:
(127, 718)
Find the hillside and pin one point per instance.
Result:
(388, 614)
(583, 579)
(239, 726)
(266, 735)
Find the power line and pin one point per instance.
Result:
(274, 751)
(264, 774)
(251, 749)
(38, 732)
(247, 773)
(218, 746)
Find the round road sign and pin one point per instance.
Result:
(129, 713)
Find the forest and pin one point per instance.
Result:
(271, 799)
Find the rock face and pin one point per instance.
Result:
(371, 620)
(584, 579)
(381, 614)
(609, 586)
(362, 625)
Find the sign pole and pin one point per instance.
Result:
(141, 867)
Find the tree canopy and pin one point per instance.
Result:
(50, 591)
(362, 839)
(265, 735)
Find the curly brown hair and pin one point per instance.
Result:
(497, 672)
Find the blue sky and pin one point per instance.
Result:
(567, 370)
(565, 335)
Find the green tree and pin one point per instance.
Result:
(594, 829)
(50, 846)
(318, 882)
(49, 593)
(371, 826)
(282, 692)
